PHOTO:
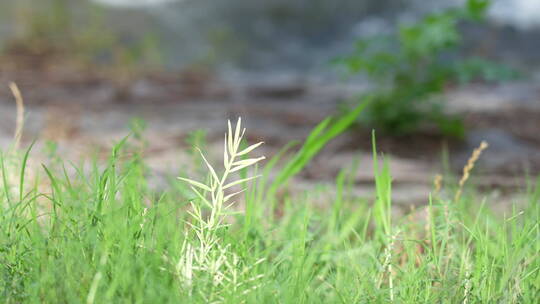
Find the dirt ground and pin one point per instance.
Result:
(84, 112)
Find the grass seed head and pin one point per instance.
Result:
(469, 166)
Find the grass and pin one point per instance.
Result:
(97, 233)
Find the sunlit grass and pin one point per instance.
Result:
(99, 234)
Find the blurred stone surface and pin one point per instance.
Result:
(84, 122)
(505, 154)
(495, 98)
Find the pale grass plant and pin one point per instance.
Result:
(206, 254)
(10, 161)
(20, 114)
(467, 283)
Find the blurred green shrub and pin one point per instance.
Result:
(79, 30)
(412, 68)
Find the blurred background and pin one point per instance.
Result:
(441, 76)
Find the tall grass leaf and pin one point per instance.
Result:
(23, 169)
(319, 137)
(249, 149)
(239, 165)
(228, 197)
(196, 184)
(5, 179)
(240, 181)
(383, 188)
(202, 197)
(237, 134)
(225, 154)
(210, 168)
(229, 135)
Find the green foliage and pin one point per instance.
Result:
(413, 67)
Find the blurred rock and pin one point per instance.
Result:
(495, 98)
(505, 154)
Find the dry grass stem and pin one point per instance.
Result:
(469, 166)
(20, 113)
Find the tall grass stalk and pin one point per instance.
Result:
(208, 256)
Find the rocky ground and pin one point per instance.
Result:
(86, 113)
